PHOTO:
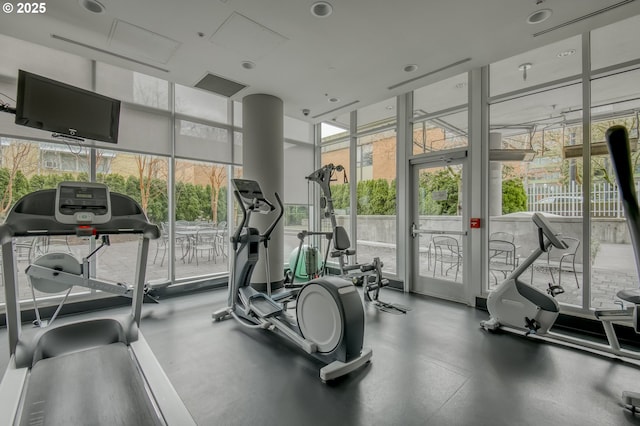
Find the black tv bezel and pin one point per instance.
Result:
(24, 76)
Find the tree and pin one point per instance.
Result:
(514, 196)
(16, 155)
(217, 176)
(148, 167)
(446, 181)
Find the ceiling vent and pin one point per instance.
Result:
(411, 80)
(582, 18)
(221, 86)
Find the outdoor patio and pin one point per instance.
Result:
(613, 267)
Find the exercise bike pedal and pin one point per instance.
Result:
(554, 290)
(532, 326)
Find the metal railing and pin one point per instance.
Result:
(567, 200)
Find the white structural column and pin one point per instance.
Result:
(263, 161)
(495, 177)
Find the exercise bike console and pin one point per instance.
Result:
(544, 228)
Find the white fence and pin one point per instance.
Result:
(567, 200)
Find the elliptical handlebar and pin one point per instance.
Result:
(243, 222)
(267, 234)
(251, 199)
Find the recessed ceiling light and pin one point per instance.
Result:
(539, 16)
(334, 100)
(567, 53)
(321, 9)
(410, 68)
(248, 65)
(93, 6)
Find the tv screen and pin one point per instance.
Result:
(49, 105)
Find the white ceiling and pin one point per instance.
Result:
(356, 54)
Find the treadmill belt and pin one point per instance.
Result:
(99, 386)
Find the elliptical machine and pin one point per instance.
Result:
(329, 321)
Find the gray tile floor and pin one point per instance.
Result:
(433, 366)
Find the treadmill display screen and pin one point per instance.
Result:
(73, 199)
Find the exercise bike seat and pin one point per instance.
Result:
(629, 295)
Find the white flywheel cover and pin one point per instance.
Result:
(63, 262)
(319, 318)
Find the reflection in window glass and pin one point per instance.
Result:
(201, 229)
(382, 114)
(196, 140)
(615, 43)
(29, 166)
(337, 154)
(444, 94)
(614, 102)
(550, 183)
(376, 197)
(201, 104)
(131, 86)
(298, 160)
(51, 63)
(144, 178)
(442, 133)
(538, 66)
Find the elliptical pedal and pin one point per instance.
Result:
(260, 303)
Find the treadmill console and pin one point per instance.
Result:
(83, 203)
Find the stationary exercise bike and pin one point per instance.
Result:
(518, 307)
(329, 319)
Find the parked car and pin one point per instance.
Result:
(564, 205)
(559, 200)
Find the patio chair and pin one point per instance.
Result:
(567, 259)
(502, 257)
(560, 260)
(447, 251)
(162, 243)
(502, 236)
(205, 242)
(222, 239)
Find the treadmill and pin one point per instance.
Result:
(97, 371)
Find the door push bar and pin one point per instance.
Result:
(416, 231)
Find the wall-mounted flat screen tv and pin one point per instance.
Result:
(66, 110)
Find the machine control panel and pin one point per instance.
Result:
(83, 203)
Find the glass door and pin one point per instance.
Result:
(438, 229)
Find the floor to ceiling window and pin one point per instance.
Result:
(376, 148)
(335, 143)
(615, 100)
(535, 115)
